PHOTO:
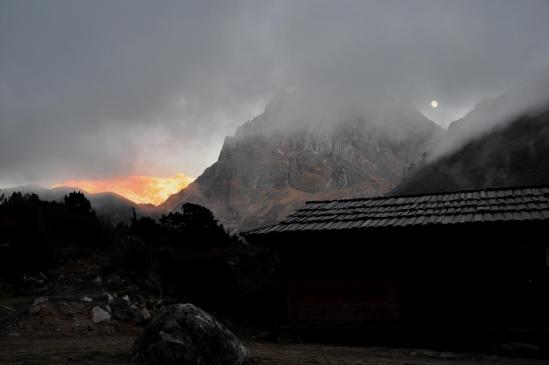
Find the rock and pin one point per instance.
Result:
(517, 349)
(40, 300)
(35, 309)
(99, 315)
(142, 316)
(120, 309)
(185, 334)
(97, 280)
(109, 297)
(66, 309)
(38, 304)
(8, 317)
(146, 314)
(126, 298)
(28, 279)
(86, 299)
(7, 311)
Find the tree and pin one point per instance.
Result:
(77, 203)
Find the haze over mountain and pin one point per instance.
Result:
(504, 141)
(97, 90)
(291, 153)
(139, 189)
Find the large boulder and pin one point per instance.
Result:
(185, 334)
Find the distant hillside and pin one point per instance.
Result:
(111, 206)
(266, 171)
(528, 98)
(516, 154)
(504, 141)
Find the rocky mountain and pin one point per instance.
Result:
(504, 141)
(515, 155)
(111, 206)
(273, 163)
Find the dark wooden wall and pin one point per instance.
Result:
(479, 275)
(341, 301)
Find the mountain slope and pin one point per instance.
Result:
(528, 98)
(265, 171)
(514, 155)
(504, 141)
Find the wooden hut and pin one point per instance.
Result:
(459, 259)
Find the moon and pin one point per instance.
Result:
(434, 104)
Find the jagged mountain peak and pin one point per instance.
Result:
(271, 166)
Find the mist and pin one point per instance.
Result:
(95, 90)
(528, 98)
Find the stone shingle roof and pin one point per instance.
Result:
(489, 205)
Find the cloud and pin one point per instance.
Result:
(528, 98)
(91, 90)
(139, 189)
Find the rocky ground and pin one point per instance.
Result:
(74, 300)
(78, 316)
(66, 330)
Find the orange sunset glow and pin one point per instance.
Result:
(139, 189)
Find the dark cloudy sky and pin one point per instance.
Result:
(95, 89)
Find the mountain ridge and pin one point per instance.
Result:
(266, 171)
(513, 155)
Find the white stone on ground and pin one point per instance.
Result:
(99, 315)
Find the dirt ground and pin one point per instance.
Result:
(105, 350)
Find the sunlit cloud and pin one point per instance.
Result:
(139, 189)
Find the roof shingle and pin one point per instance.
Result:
(487, 205)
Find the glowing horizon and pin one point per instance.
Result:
(138, 188)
